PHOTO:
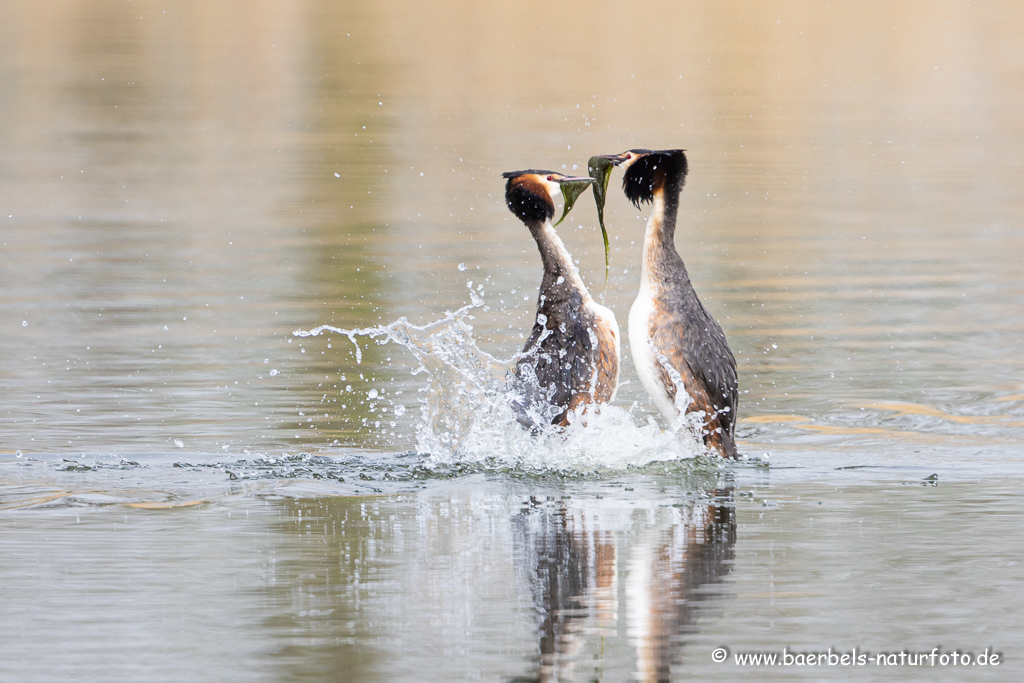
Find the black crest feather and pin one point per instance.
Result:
(644, 174)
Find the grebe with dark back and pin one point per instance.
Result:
(573, 348)
(675, 342)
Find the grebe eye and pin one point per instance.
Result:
(551, 177)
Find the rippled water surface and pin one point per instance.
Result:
(193, 487)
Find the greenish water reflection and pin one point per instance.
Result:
(483, 579)
(183, 186)
(634, 577)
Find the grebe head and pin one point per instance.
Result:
(530, 194)
(647, 171)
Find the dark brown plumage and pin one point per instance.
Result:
(674, 340)
(571, 357)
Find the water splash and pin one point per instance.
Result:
(467, 415)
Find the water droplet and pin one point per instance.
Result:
(24, 323)
(372, 393)
(775, 346)
(462, 266)
(273, 372)
(179, 443)
(399, 410)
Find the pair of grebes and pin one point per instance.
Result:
(571, 358)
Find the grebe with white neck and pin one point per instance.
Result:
(571, 358)
(676, 344)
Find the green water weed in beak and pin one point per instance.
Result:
(571, 190)
(600, 169)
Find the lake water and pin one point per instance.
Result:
(194, 488)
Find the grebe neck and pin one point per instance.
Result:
(556, 258)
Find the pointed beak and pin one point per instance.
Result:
(613, 159)
(585, 180)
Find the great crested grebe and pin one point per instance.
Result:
(674, 340)
(573, 350)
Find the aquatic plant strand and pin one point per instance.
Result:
(571, 190)
(600, 169)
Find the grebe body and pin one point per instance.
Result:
(675, 343)
(571, 357)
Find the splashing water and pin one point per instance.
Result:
(467, 417)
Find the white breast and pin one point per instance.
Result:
(644, 358)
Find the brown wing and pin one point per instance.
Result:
(607, 360)
(700, 355)
(564, 360)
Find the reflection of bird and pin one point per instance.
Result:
(667, 557)
(565, 582)
(670, 563)
(572, 355)
(674, 340)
